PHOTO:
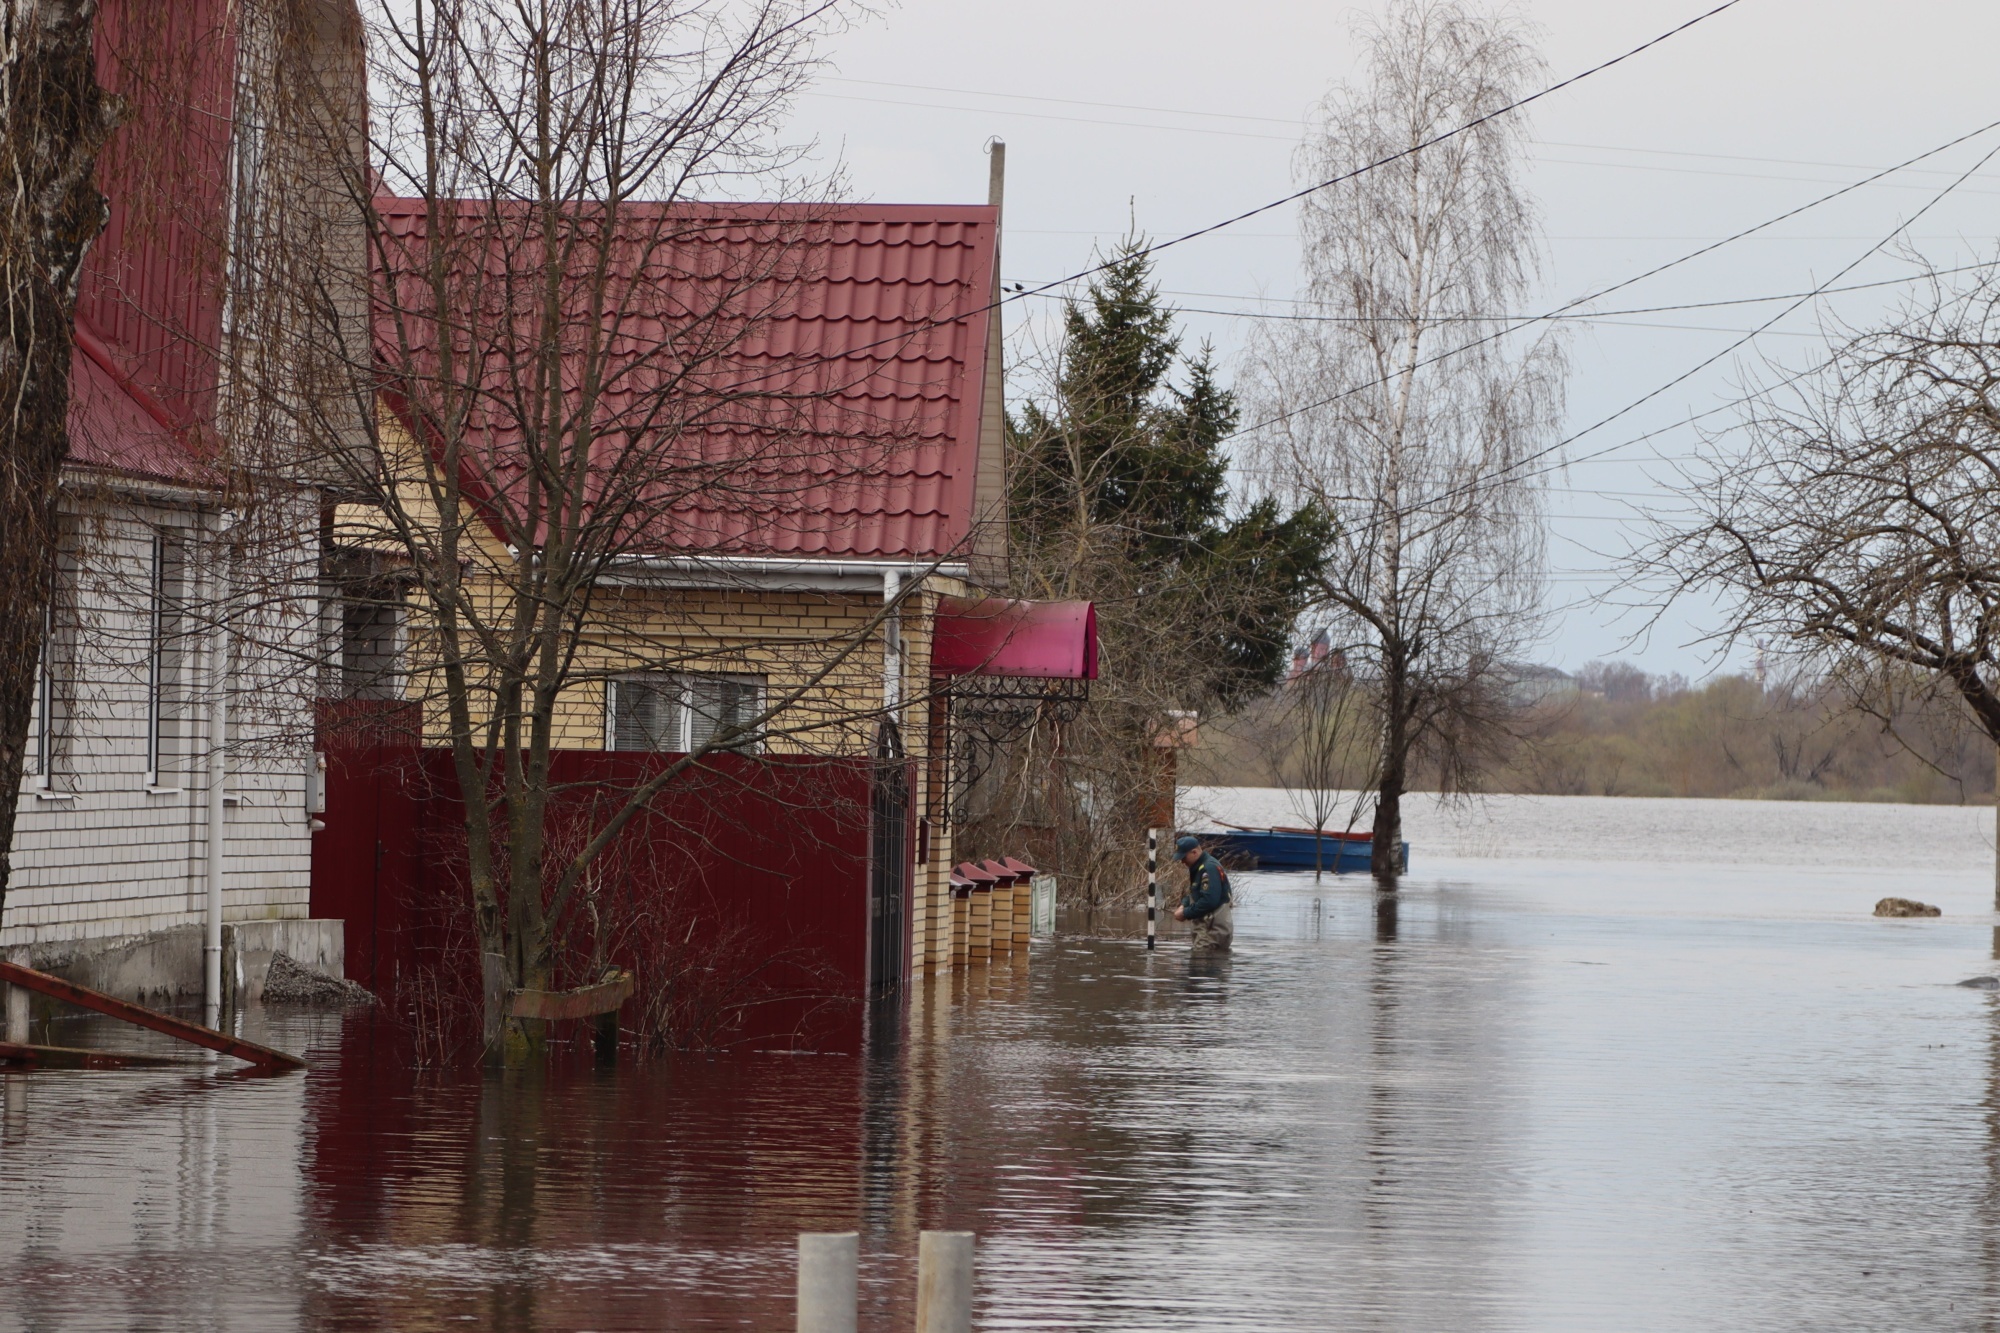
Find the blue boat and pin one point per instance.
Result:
(1297, 849)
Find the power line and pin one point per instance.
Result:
(1598, 316)
(1292, 236)
(1654, 272)
(1400, 154)
(1296, 195)
(1562, 444)
(1299, 127)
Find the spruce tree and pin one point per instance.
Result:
(1120, 494)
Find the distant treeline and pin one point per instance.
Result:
(1616, 730)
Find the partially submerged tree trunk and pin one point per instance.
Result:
(53, 121)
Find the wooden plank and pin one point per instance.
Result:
(72, 1057)
(177, 1028)
(585, 1002)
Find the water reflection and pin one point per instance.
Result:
(1573, 1099)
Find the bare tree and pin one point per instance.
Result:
(1858, 524)
(1326, 717)
(1434, 570)
(54, 119)
(568, 344)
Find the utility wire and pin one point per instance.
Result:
(1392, 158)
(1655, 271)
(1636, 403)
(1279, 317)
(1476, 319)
(1156, 247)
(1295, 122)
(1294, 138)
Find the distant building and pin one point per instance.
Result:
(1529, 684)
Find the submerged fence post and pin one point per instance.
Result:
(1152, 886)
(944, 1282)
(829, 1295)
(17, 1007)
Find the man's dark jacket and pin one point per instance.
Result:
(1207, 890)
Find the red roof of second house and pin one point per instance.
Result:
(865, 325)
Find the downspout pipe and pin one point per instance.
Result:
(892, 644)
(218, 777)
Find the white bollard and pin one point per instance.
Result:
(944, 1282)
(829, 1298)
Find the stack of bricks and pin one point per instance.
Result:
(1003, 906)
(1024, 891)
(984, 913)
(961, 919)
(980, 938)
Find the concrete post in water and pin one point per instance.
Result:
(17, 1005)
(944, 1282)
(829, 1295)
(1152, 886)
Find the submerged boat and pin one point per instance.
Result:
(1297, 849)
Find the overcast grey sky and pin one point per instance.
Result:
(1754, 112)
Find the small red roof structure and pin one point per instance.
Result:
(867, 324)
(1003, 636)
(978, 877)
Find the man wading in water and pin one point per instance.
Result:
(1207, 901)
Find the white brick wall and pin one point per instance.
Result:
(112, 858)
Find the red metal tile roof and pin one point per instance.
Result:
(837, 394)
(149, 306)
(116, 426)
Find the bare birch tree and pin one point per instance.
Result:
(54, 120)
(1433, 577)
(1854, 520)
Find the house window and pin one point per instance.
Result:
(166, 658)
(55, 667)
(42, 761)
(661, 711)
(370, 646)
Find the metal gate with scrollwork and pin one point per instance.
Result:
(889, 865)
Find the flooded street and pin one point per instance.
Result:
(1654, 1090)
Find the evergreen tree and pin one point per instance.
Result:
(1120, 494)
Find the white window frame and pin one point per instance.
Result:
(156, 664)
(51, 710)
(42, 753)
(682, 686)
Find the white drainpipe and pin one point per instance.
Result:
(892, 645)
(218, 777)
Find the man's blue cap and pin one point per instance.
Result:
(1186, 845)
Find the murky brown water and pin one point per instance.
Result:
(1566, 1096)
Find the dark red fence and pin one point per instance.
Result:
(739, 896)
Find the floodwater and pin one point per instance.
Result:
(1649, 1079)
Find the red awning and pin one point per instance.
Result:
(1003, 636)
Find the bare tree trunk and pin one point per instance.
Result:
(53, 120)
(1392, 782)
